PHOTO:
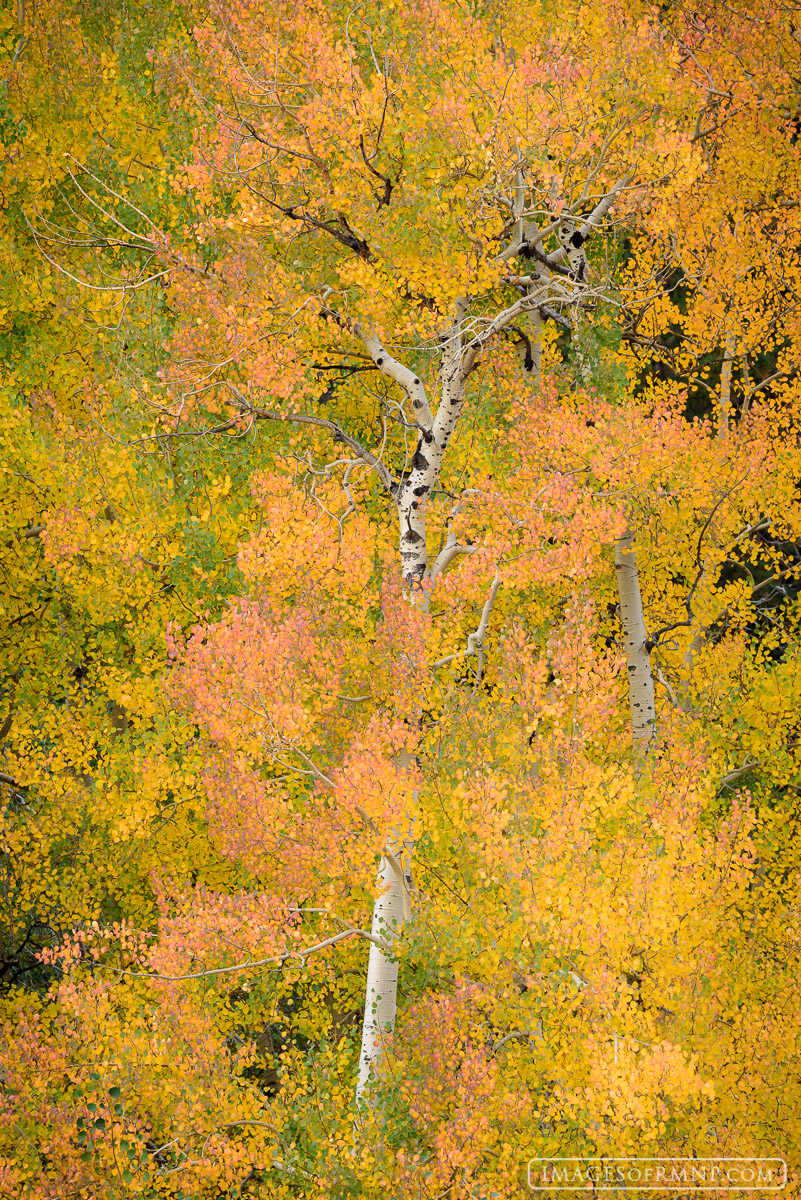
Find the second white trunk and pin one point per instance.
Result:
(638, 658)
(382, 974)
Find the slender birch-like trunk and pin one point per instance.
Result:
(382, 973)
(638, 658)
(536, 347)
(529, 348)
(729, 351)
(411, 492)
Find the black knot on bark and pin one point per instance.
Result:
(414, 577)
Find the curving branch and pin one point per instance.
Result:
(339, 434)
(251, 964)
(411, 384)
(475, 641)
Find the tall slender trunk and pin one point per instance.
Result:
(729, 351)
(382, 973)
(391, 906)
(699, 635)
(638, 658)
(529, 348)
(411, 492)
(536, 347)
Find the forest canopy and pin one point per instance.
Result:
(400, 759)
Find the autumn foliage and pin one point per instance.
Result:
(367, 374)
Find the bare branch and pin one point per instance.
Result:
(414, 387)
(475, 641)
(384, 198)
(446, 556)
(596, 216)
(251, 964)
(749, 765)
(338, 432)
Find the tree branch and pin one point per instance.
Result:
(446, 556)
(734, 775)
(414, 387)
(339, 434)
(595, 217)
(475, 641)
(249, 965)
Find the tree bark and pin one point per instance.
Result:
(382, 974)
(536, 348)
(460, 349)
(729, 351)
(638, 658)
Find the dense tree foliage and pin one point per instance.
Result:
(401, 479)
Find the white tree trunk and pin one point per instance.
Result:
(638, 659)
(529, 348)
(382, 973)
(729, 352)
(410, 493)
(536, 347)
